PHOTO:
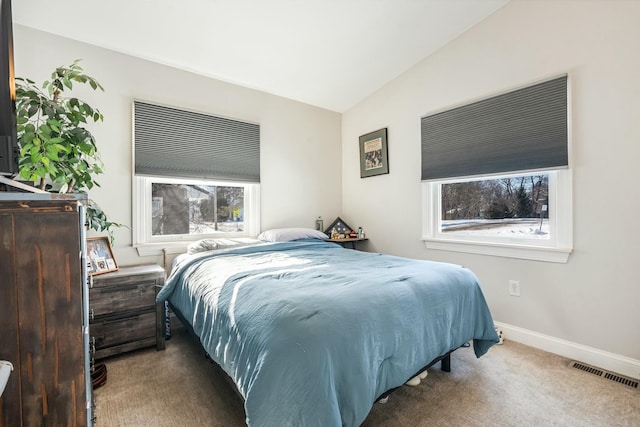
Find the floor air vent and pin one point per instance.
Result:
(608, 375)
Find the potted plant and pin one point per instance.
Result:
(57, 152)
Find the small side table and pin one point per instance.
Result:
(344, 241)
(124, 313)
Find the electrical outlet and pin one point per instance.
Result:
(514, 288)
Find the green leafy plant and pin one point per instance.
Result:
(97, 220)
(57, 152)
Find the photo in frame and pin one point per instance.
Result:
(100, 257)
(374, 157)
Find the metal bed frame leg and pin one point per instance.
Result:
(445, 363)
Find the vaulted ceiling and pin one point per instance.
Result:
(328, 53)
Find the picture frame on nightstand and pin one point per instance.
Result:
(339, 225)
(100, 257)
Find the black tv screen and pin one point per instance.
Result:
(8, 138)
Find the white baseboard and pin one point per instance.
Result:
(592, 356)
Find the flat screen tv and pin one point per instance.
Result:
(8, 138)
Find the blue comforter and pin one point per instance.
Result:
(312, 333)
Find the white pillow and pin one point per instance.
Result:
(202, 246)
(212, 244)
(288, 234)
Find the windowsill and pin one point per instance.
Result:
(154, 249)
(175, 246)
(535, 253)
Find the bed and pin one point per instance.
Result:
(312, 334)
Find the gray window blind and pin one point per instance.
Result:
(178, 143)
(519, 130)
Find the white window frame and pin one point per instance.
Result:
(555, 249)
(147, 244)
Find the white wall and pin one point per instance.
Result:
(299, 143)
(593, 299)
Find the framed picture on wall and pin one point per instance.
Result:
(374, 157)
(100, 257)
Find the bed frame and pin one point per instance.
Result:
(445, 365)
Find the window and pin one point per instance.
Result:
(196, 175)
(494, 216)
(173, 210)
(495, 175)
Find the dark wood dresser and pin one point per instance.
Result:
(43, 311)
(123, 312)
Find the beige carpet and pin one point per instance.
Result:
(513, 385)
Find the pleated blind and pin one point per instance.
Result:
(178, 143)
(519, 130)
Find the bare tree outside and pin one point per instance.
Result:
(508, 207)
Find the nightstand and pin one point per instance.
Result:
(123, 313)
(343, 242)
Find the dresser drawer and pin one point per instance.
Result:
(109, 332)
(122, 297)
